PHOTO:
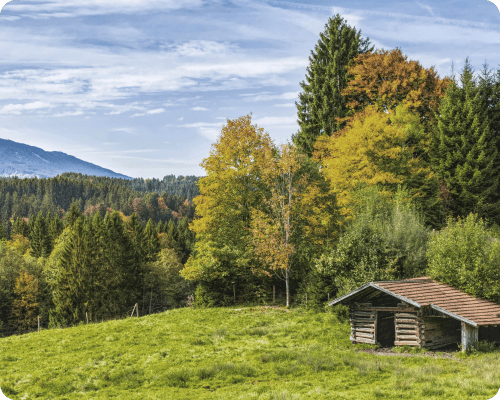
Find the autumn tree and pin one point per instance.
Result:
(386, 79)
(377, 149)
(25, 305)
(231, 189)
(278, 226)
(322, 103)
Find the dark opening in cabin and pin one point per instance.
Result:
(386, 329)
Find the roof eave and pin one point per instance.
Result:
(453, 315)
(375, 286)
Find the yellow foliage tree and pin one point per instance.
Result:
(377, 148)
(25, 306)
(387, 79)
(230, 190)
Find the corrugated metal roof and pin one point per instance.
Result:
(427, 292)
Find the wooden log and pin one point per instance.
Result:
(408, 331)
(407, 326)
(405, 321)
(364, 313)
(405, 315)
(363, 330)
(407, 337)
(398, 309)
(407, 343)
(363, 340)
(362, 334)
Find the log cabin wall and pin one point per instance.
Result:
(363, 326)
(439, 332)
(408, 328)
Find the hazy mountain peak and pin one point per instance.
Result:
(24, 161)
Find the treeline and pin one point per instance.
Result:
(90, 267)
(180, 186)
(388, 163)
(27, 197)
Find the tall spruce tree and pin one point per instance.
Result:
(152, 245)
(41, 243)
(465, 152)
(321, 103)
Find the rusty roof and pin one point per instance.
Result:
(424, 291)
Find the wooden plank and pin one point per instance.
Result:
(407, 337)
(387, 309)
(364, 313)
(363, 330)
(362, 334)
(407, 326)
(405, 321)
(406, 315)
(363, 340)
(407, 331)
(375, 327)
(403, 343)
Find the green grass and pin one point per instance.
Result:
(220, 353)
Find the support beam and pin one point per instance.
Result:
(470, 334)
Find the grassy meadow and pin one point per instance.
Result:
(223, 353)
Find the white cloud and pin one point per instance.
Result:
(68, 114)
(70, 8)
(276, 121)
(265, 97)
(210, 130)
(156, 111)
(284, 105)
(199, 109)
(128, 130)
(17, 109)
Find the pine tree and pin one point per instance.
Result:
(72, 215)
(3, 232)
(152, 246)
(321, 103)
(20, 227)
(41, 244)
(465, 152)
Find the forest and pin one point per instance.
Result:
(394, 173)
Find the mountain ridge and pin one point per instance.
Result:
(26, 161)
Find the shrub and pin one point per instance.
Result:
(465, 256)
(386, 241)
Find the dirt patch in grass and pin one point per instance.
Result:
(389, 351)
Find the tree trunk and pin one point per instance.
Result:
(287, 280)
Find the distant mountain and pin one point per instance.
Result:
(24, 161)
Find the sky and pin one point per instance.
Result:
(143, 87)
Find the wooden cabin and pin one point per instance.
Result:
(419, 312)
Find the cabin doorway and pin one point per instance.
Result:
(386, 328)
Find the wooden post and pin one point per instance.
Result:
(469, 336)
(274, 293)
(234, 292)
(137, 310)
(328, 296)
(87, 316)
(375, 328)
(135, 305)
(38, 324)
(306, 299)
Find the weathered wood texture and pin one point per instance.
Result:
(438, 332)
(470, 335)
(407, 325)
(363, 326)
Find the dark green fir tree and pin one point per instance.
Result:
(465, 152)
(321, 101)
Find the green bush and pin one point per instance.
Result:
(386, 241)
(465, 256)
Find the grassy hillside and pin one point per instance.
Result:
(253, 353)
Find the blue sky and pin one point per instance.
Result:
(143, 87)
